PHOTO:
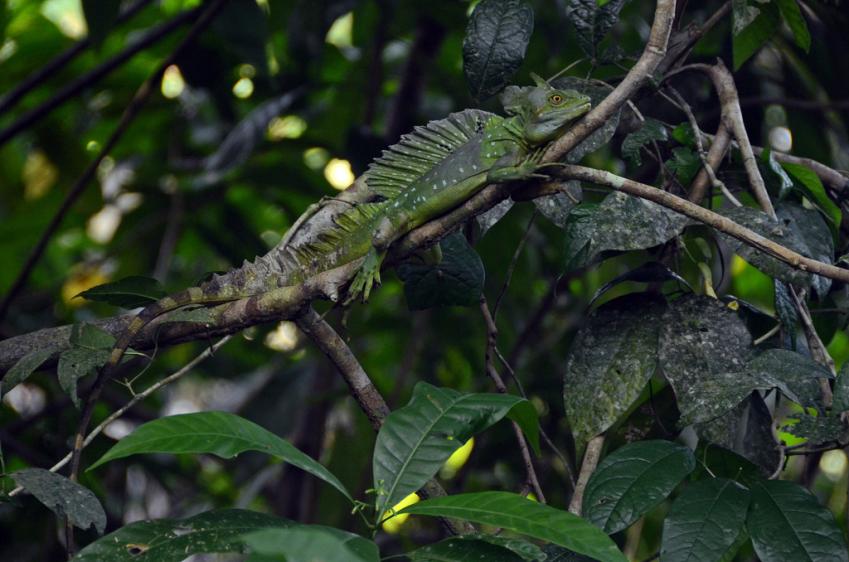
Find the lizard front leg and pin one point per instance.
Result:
(368, 276)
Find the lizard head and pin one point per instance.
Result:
(545, 110)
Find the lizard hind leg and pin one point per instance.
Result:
(367, 277)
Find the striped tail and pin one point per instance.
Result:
(193, 296)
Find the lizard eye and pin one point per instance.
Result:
(555, 99)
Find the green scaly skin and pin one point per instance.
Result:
(430, 172)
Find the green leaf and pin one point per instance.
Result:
(715, 461)
(416, 440)
(456, 280)
(632, 480)
(683, 133)
(754, 24)
(786, 522)
(557, 207)
(685, 164)
(521, 515)
(706, 522)
(311, 543)
(173, 540)
(612, 358)
(621, 222)
(25, 366)
(840, 393)
(64, 497)
(494, 46)
(793, 16)
(76, 363)
(218, 433)
(701, 339)
(477, 547)
(651, 130)
(100, 17)
(809, 183)
(129, 292)
(90, 337)
(592, 21)
(817, 430)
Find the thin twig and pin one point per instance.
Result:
(512, 267)
(492, 337)
(208, 352)
(815, 344)
(127, 117)
(50, 69)
(716, 152)
(588, 466)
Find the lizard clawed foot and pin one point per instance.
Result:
(367, 277)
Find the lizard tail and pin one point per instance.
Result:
(193, 296)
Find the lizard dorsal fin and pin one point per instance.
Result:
(416, 153)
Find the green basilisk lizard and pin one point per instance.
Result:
(426, 174)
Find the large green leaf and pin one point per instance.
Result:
(416, 440)
(793, 16)
(495, 43)
(173, 540)
(621, 222)
(632, 480)
(63, 497)
(456, 280)
(473, 548)
(701, 339)
(592, 21)
(218, 433)
(754, 24)
(312, 543)
(786, 522)
(129, 292)
(521, 515)
(706, 522)
(611, 359)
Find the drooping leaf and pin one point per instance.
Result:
(706, 522)
(523, 516)
(25, 366)
(100, 16)
(76, 363)
(814, 235)
(218, 433)
(786, 522)
(621, 222)
(172, 540)
(241, 142)
(557, 207)
(129, 292)
(495, 43)
(416, 440)
(64, 497)
(840, 393)
(785, 310)
(809, 183)
(793, 16)
(651, 130)
(611, 359)
(476, 547)
(754, 24)
(592, 21)
(817, 430)
(632, 480)
(456, 280)
(309, 543)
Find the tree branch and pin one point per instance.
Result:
(588, 466)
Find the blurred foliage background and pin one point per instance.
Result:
(204, 178)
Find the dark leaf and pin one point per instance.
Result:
(490, 218)
(841, 389)
(90, 337)
(774, 175)
(706, 522)
(785, 309)
(815, 236)
(416, 440)
(715, 461)
(787, 522)
(309, 543)
(611, 359)
(456, 280)
(129, 292)
(555, 553)
(649, 272)
(521, 515)
(809, 183)
(817, 430)
(218, 433)
(64, 497)
(592, 21)
(685, 164)
(793, 16)
(495, 43)
(754, 24)
(557, 207)
(651, 130)
(632, 480)
(74, 364)
(100, 16)
(474, 548)
(21, 370)
(173, 540)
